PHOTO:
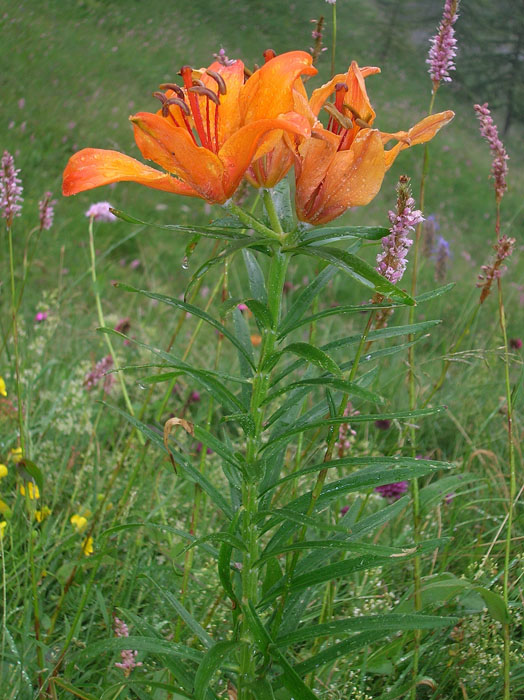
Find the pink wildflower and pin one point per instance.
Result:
(46, 210)
(10, 189)
(515, 343)
(392, 491)
(100, 212)
(41, 316)
(391, 263)
(100, 371)
(346, 434)
(443, 46)
(134, 264)
(494, 271)
(128, 656)
(499, 166)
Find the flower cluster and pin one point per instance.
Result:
(128, 656)
(499, 166)
(10, 189)
(346, 434)
(100, 371)
(392, 492)
(391, 263)
(101, 212)
(494, 271)
(46, 211)
(443, 46)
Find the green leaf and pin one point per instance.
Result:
(261, 689)
(351, 388)
(495, 604)
(224, 560)
(211, 662)
(332, 234)
(152, 645)
(255, 277)
(225, 253)
(363, 623)
(211, 231)
(193, 474)
(426, 296)
(314, 355)
(77, 692)
(281, 197)
(359, 270)
(195, 311)
(335, 311)
(290, 678)
(180, 610)
(26, 465)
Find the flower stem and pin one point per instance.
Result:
(334, 41)
(14, 323)
(101, 321)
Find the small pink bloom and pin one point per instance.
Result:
(515, 343)
(134, 264)
(100, 212)
(41, 316)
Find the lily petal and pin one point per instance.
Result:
(94, 167)
(260, 100)
(238, 151)
(229, 110)
(321, 94)
(422, 132)
(314, 158)
(353, 178)
(173, 148)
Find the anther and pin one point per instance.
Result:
(362, 124)
(198, 82)
(268, 55)
(341, 86)
(338, 116)
(219, 81)
(205, 91)
(179, 103)
(173, 86)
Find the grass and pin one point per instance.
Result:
(80, 68)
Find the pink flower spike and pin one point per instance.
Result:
(46, 211)
(10, 189)
(128, 656)
(443, 46)
(499, 166)
(134, 264)
(100, 212)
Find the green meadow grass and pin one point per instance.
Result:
(71, 73)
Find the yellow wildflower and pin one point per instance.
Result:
(87, 546)
(3, 390)
(32, 489)
(3, 471)
(3, 526)
(78, 522)
(4, 509)
(42, 514)
(16, 454)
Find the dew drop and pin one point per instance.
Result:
(185, 263)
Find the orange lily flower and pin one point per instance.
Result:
(343, 165)
(206, 133)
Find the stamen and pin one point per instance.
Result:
(187, 76)
(268, 55)
(222, 89)
(205, 91)
(337, 116)
(179, 103)
(173, 86)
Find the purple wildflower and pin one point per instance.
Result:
(209, 451)
(346, 434)
(223, 59)
(100, 212)
(344, 510)
(98, 372)
(41, 316)
(515, 343)
(46, 211)
(194, 397)
(391, 263)
(134, 264)
(128, 656)
(443, 46)
(10, 189)
(392, 491)
(499, 166)
(441, 254)
(383, 424)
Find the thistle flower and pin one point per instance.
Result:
(441, 255)
(10, 189)
(128, 656)
(392, 491)
(46, 211)
(100, 212)
(494, 271)
(391, 263)
(443, 46)
(499, 166)
(100, 371)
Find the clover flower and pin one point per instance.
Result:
(10, 189)
(100, 212)
(443, 46)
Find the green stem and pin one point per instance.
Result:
(261, 381)
(14, 322)
(101, 321)
(334, 42)
(250, 221)
(272, 212)
(412, 405)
